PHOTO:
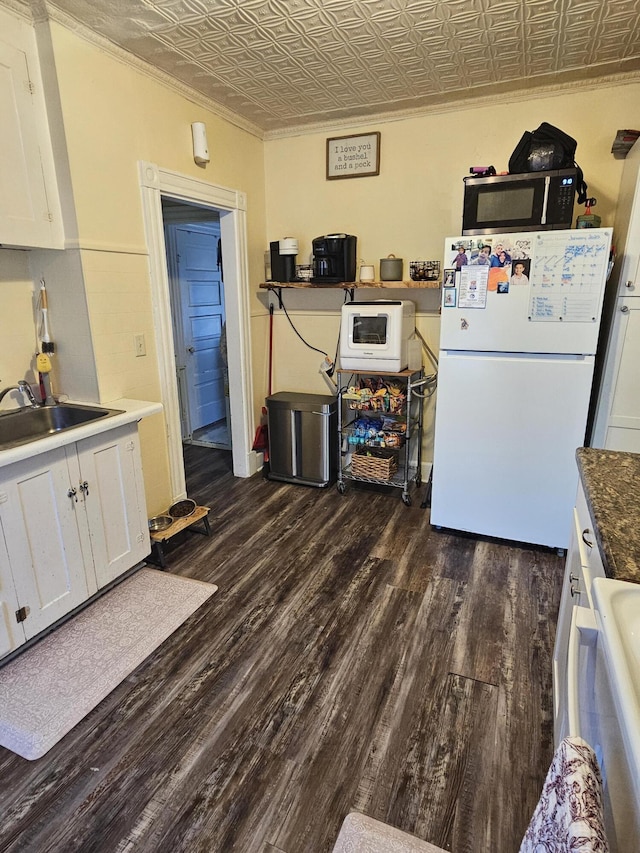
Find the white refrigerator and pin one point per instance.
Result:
(519, 329)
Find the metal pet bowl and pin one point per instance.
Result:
(159, 523)
(182, 509)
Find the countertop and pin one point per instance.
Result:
(611, 481)
(131, 410)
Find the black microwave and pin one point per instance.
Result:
(534, 201)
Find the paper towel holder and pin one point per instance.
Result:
(200, 148)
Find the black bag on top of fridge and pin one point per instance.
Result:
(544, 149)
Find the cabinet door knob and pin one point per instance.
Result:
(624, 309)
(191, 349)
(584, 537)
(72, 493)
(84, 487)
(629, 284)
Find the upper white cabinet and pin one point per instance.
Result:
(30, 214)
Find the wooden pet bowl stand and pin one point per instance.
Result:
(200, 513)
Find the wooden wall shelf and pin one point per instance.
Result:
(351, 285)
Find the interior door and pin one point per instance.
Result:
(202, 310)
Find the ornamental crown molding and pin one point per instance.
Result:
(558, 84)
(18, 7)
(48, 11)
(473, 100)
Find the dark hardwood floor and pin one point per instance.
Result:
(353, 659)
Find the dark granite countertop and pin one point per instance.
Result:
(611, 481)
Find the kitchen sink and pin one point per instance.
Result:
(20, 426)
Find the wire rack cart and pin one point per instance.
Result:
(380, 428)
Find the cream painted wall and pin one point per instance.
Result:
(108, 116)
(114, 116)
(297, 368)
(416, 200)
(17, 323)
(74, 364)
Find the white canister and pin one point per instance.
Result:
(367, 272)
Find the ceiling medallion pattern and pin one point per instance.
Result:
(285, 63)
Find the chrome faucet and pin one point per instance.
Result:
(5, 391)
(26, 389)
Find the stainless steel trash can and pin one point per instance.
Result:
(303, 438)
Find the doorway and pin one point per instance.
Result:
(195, 270)
(155, 184)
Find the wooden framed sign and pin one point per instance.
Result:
(353, 156)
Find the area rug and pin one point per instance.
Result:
(48, 689)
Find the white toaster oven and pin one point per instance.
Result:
(375, 335)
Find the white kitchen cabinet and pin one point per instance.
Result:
(618, 427)
(583, 564)
(40, 525)
(617, 412)
(73, 519)
(11, 631)
(112, 491)
(30, 213)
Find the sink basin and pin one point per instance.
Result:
(20, 426)
(618, 607)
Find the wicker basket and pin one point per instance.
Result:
(376, 463)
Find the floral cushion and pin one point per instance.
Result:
(569, 816)
(567, 819)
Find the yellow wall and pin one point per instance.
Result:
(17, 322)
(416, 200)
(113, 117)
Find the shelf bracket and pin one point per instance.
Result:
(278, 293)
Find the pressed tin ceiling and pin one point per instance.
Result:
(285, 64)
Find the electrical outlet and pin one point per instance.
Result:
(140, 345)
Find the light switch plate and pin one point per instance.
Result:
(141, 347)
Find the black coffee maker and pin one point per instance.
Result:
(334, 259)
(283, 259)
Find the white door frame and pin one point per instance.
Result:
(154, 183)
